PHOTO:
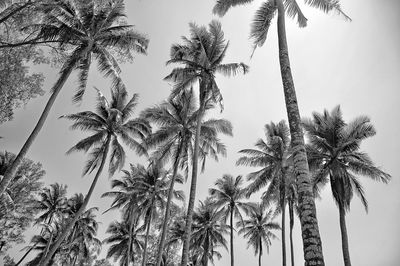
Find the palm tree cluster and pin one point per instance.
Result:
(158, 225)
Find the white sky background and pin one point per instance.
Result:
(355, 64)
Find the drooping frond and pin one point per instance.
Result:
(293, 10)
(327, 6)
(222, 6)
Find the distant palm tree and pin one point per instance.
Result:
(258, 229)
(110, 125)
(176, 120)
(87, 30)
(228, 195)
(334, 152)
(121, 235)
(208, 231)
(201, 56)
(274, 157)
(259, 29)
(52, 204)
(151, 185)
(82, 240)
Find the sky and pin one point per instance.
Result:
(334, 62)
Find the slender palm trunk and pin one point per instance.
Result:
(12, 169)
(144, 260)
(204, 259)
(345, 241)
(260, 253)
(312, 246)
(232, 255)
(193, 185)
(70, 225)
(291, 216)
(130, 238)
(167, 211)
(283, 221)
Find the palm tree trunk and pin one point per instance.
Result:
(283, 221)
(291, 216)
(57, 244)
(12, 169)
(260, 254)
(130, 238)
(312, 246)
(232, 255)
(167, 207)
(204, 259)
(144, 260)
(193, 185)
(345, 241)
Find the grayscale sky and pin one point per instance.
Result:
(355, 64)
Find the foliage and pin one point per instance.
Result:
(17, 205)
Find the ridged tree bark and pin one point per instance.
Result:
(167, 207)
(312, 246)
(291, 217)
(144, 259)
(11, 171)
(71, 224)
(345, 241)
(193, 185)
(232, 254)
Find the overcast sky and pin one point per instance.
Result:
(355, 64)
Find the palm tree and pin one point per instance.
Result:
(208, 231)
(110, 124)
(82, 240)
(87, 30)
(334, 152)
(201, 56)
(176, 120)
(121, 235)
(228, 196)
(312, 246)
(274, 157)
(258, 229)
(52, 204)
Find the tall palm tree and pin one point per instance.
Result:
(228, 195)
(208, 231)
(151, 185)
(52, 204)
(201, 56)
(87, 30)
(274, 157)
(312, 246)
(121, 235)
(176, 120)
(110, 124)
(258, 229)
(334, 152)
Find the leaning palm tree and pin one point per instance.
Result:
(121, 237)
(228, 195)
(201, 57)
(312, 246)
(87, 30)
(208, 231)
(176, 120)
(258, 229)
(274, 157)
(110, 125)
(334, 152)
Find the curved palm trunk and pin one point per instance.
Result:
(193, 185)
(232, 255)
(345, 241)
(291, 216)
(71, 224)
(144, 260)
(11, 171)
(312, 246)
(260, 254)
(167, 211)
